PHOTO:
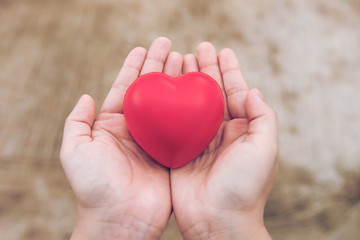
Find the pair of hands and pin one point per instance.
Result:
(123, 194)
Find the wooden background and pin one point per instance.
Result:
(303, 55)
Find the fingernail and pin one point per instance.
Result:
(259, 94)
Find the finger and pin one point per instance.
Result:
(128, 73)
(173, 64)
(157, 55)
(262, 122)
(208, 63)
(78, 124)
(235, 86)
(190, 64)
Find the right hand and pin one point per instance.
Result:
(222, 193)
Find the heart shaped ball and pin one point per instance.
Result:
(174, 119)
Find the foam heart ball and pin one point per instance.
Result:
(174, 119)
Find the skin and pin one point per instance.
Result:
(123, 194)
(222, 193)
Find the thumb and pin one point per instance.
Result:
(78, 124)
(262, 122)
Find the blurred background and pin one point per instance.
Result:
(303, 55)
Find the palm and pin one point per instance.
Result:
(208, 175)
(115, 162)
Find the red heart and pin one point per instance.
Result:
(174, 119)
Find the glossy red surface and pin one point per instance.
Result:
(174, 119)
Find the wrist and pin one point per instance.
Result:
(234, 225)
(99, 226)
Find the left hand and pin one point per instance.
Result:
(121, 191)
